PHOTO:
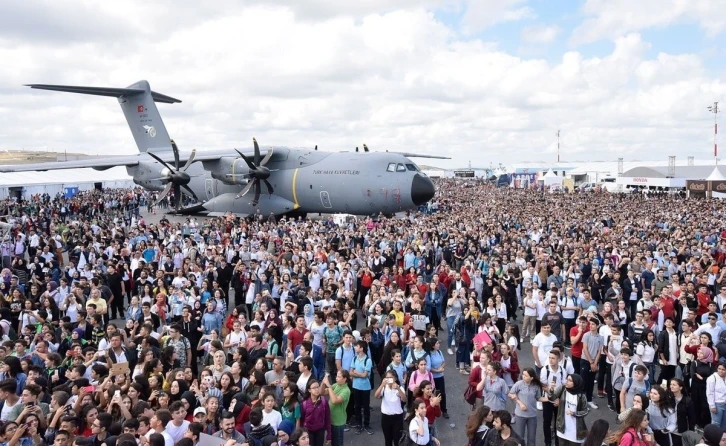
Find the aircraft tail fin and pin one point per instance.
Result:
(138, 104)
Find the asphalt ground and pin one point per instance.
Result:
(451, 431)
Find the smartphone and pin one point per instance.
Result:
(389, 380)
(89, 389)
(117, 394)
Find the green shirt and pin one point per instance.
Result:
(338, 415)
(292, 415)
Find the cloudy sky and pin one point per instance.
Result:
(478, 80)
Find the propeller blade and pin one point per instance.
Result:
(190, 192)
(190, 160)
(356, 150)
(257, 152)
(316, 147)
(249, 163)
(267, 157)
(176, 154)
(161, 161)
(269, 187)
(246, 189)
(257, 193)
(177, 198)
(163, 194)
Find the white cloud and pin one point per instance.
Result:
(396, 80)
(481, 14)
(540, 33)
(614, 18)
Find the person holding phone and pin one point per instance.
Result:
(393, 398)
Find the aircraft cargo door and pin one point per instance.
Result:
(325, 199)
(210, 186)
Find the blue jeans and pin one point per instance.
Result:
(719, 417)
(338, 432)
(450, 330)
(462, 354)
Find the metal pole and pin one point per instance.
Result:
(714, 109)
(558, 146)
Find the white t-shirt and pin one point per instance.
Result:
(236, 339)
(530, 301)
(6, 410)
(570, 433)
(544, 345)
(176, 433)
(413, 432)
(273, 418)
(317, 331)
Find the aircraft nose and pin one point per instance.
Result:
(422, 189)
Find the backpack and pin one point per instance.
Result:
(647, 386)
(618, 384)
(9, 330)
(415, 360)
(549, 370)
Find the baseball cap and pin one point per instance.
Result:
(199, 410)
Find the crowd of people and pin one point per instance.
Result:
(282, 331)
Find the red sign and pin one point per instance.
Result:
(140, 108)
(640, 180)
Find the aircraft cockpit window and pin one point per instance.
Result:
(400, 168)
(391, 167)
(411, 167)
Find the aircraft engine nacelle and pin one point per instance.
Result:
(149, 175)
(228, 169)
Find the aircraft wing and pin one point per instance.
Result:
(108, 162)
(98, 164)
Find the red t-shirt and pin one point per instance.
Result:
(668, 306)
(295, 338)
(576, 347)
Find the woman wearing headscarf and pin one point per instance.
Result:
(177, 389)
(703, 369)
(190, 403)
(284, 430)
(571, 411)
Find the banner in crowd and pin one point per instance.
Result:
(523, 180)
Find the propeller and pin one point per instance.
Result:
(258, 173)
(176, 177)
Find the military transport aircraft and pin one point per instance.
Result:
(279, 180)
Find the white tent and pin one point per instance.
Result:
(550, 179)
(716, 175)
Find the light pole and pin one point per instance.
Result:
(558, 146)
(714, 109)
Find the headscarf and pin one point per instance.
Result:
(79, 331)
(183, 387)
(691, 438)
(707, 354)
(53, 285)
(190, 398)
(577, 384)
(286, 426)
(712, 434)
